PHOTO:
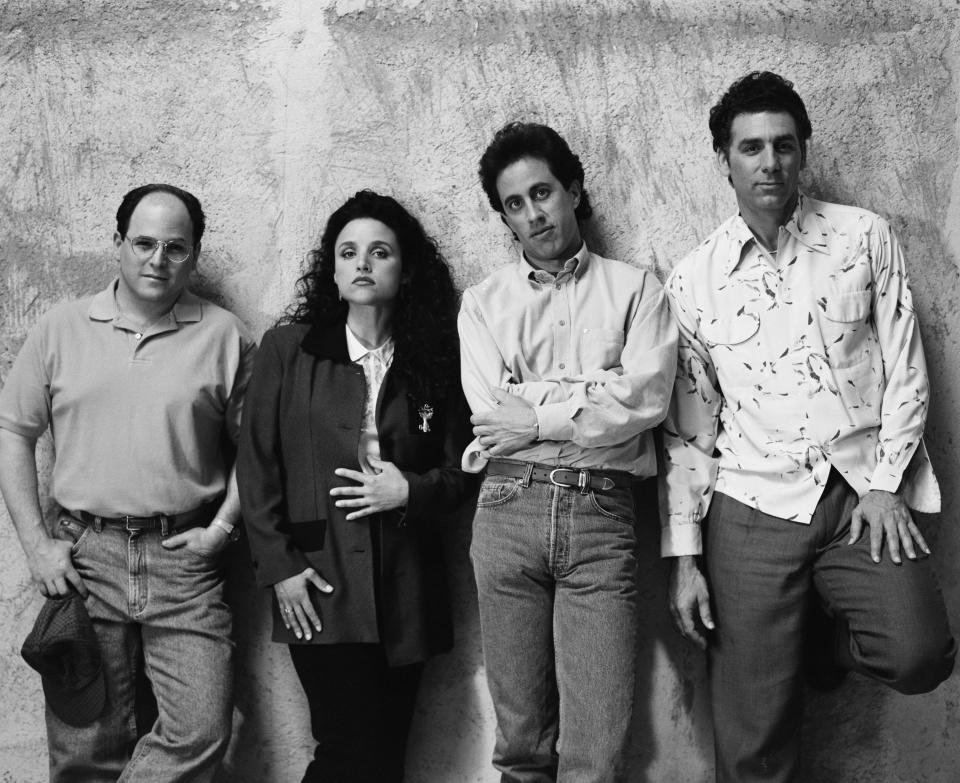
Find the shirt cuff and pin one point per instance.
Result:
(886, 477)
(472, 461)
(682, 538)
(554, 421)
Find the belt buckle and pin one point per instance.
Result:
(149, 523)
(583, 479)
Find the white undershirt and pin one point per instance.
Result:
(375, 363)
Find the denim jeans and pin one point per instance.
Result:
(556, 578)
(763, 571)
(166, 608)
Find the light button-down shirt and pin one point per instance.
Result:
(790, 366)
(593, 350)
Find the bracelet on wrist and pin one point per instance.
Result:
(232, 531)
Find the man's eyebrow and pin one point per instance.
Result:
(761, 139)
(183, 237)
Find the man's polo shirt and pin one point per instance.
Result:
(139, 421)
(592, 349)
(790, 367)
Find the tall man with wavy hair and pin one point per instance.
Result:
(794, 449)
(568, 359)
(140, 386)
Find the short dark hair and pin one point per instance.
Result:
(517, 140)
(757, 92)
(135, 196)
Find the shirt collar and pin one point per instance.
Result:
(356, 350)
(808, 226)
(575, 267)
(805, 225)
(188, 307)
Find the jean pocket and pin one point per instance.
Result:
(497, 490)
(615, 505)
(72, 530)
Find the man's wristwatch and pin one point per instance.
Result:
(232, 531)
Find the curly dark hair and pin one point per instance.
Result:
(426, 347)
(757, 92)
(517, 140)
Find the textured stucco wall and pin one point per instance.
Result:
(274, 112)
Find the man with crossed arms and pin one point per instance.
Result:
(568, 359)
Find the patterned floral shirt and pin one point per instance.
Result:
(789, 366)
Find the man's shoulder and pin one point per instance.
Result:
(64, 316)
(844, 217)
(628, 273)
(216, 319)
(699, 260)
(501, 277)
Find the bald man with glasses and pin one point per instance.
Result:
(141, 387)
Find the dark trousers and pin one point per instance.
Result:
(360, 711)
(763, 571)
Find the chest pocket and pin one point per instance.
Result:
(600, 349)
(730, 331)
(846, 306)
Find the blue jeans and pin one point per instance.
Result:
(556, 578)
(167, 608)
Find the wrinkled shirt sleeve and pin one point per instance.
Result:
(689, 469)
(604, 410)
(904, 407)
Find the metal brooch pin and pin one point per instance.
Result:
(426, 413)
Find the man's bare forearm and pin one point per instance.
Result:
(18, 483)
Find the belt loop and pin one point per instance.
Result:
(583, 481)
(165, 525)
(98, 525)
(527, 474)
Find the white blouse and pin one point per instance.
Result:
(375, 363)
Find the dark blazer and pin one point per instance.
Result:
(302, 416)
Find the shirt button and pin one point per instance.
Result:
(563, 323)
(138, 335)
(562, 366)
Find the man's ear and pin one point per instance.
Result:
(117, 242)
(196, 254)
(512, 232)
(723, 162)
(575, 190)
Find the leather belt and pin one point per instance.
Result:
(162, 522)
(572, 478)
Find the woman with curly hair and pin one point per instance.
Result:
(353, 427)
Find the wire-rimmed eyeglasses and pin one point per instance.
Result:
(176, 252)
